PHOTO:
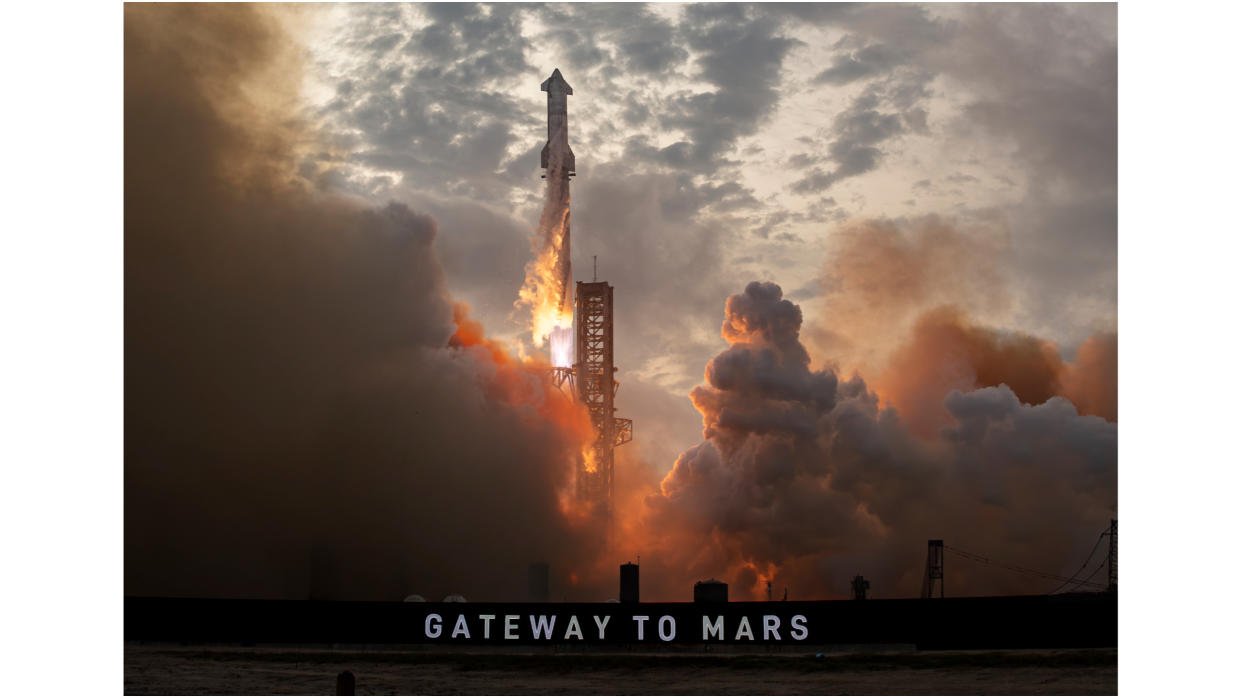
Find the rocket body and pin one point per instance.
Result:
(557, 158)
(558, 162)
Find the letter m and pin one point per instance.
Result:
(713, 629)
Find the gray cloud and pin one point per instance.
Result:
(430, 112)
(859, 130)
(1040, 77)
(630, 34)
(864, 63)
(739, 51)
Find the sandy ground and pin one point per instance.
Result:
(151, 669)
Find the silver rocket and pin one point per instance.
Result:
(558, 127)
(558, 162)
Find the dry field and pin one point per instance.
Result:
(159, 669)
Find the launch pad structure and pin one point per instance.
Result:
(597, 388)
(592, 378)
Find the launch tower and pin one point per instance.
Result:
(597, 388)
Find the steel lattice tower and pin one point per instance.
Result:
(597, 388)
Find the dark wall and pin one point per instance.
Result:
(1077, 621)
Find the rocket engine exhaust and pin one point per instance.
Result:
(547, 288)
(561, 345)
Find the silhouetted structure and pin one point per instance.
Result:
(537, 582)
(935, 568)
(629, 583)
(860, 586)
(1112, 556)
(710, 591)
(345, 684)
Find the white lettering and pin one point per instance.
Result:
(432, 629)
(460, 627)
(744, 628)
(770, 626)
(799, 630)
(672, 628)
(640, 620)
(573, 629)
(713, 630)
(511, 627)
(543, 626)
(601, 625)
(487, 624)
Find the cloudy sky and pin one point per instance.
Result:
(865, 271)
(719, 144)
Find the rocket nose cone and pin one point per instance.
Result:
(557, 79)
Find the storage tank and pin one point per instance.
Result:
(629, 583)
(711, 591)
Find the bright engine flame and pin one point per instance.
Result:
(546, 291)
(561, 345)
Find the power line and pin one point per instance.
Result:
(1086, 562)
(1097, 570)
(1019, 569)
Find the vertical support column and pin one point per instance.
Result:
(935, 568)
(1112, 556)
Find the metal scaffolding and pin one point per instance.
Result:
(597, 388)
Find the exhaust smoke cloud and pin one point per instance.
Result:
(805, 480)
(307, 413)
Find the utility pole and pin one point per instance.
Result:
(935, 568)
(1112, 557)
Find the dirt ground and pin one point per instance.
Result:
(152, 669)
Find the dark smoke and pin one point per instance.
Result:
(805, 481)
(296, 423)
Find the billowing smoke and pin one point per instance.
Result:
(881, 275)
(945, 351)
(306, 412)
(922, 307)
(802, 479)
(1090, 382)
